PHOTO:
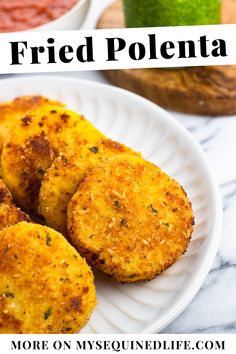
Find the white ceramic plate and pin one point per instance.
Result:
(145, 307)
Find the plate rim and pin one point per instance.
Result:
(185, 299)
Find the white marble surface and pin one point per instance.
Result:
(214, 308)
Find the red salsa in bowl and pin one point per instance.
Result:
(21, 15)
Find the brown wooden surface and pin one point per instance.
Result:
(199, 90)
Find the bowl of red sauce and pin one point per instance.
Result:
(23, 15)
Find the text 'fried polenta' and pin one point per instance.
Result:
(130, 219)
(62, 179)
(31, 148)
(45, 286)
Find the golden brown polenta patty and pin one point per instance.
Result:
(67, 171)
(9, 213)
(31, 148)
(5, 195)
(45, 285)
(11, 112)
(130, 219)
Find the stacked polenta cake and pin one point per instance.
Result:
(98, 202)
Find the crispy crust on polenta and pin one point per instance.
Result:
(45, 285)
(11, 112)
(9, 213)
(62, 179)
(31, 148)
(5, 195)
(130, 219)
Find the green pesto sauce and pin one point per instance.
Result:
(154, 13)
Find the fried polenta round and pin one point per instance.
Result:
(11, 112)
(9, 213)
(129, 219)
(45, 285)
(5, 195)
(31, 148)
(62, 179)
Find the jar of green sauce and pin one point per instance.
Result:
(154, 13)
